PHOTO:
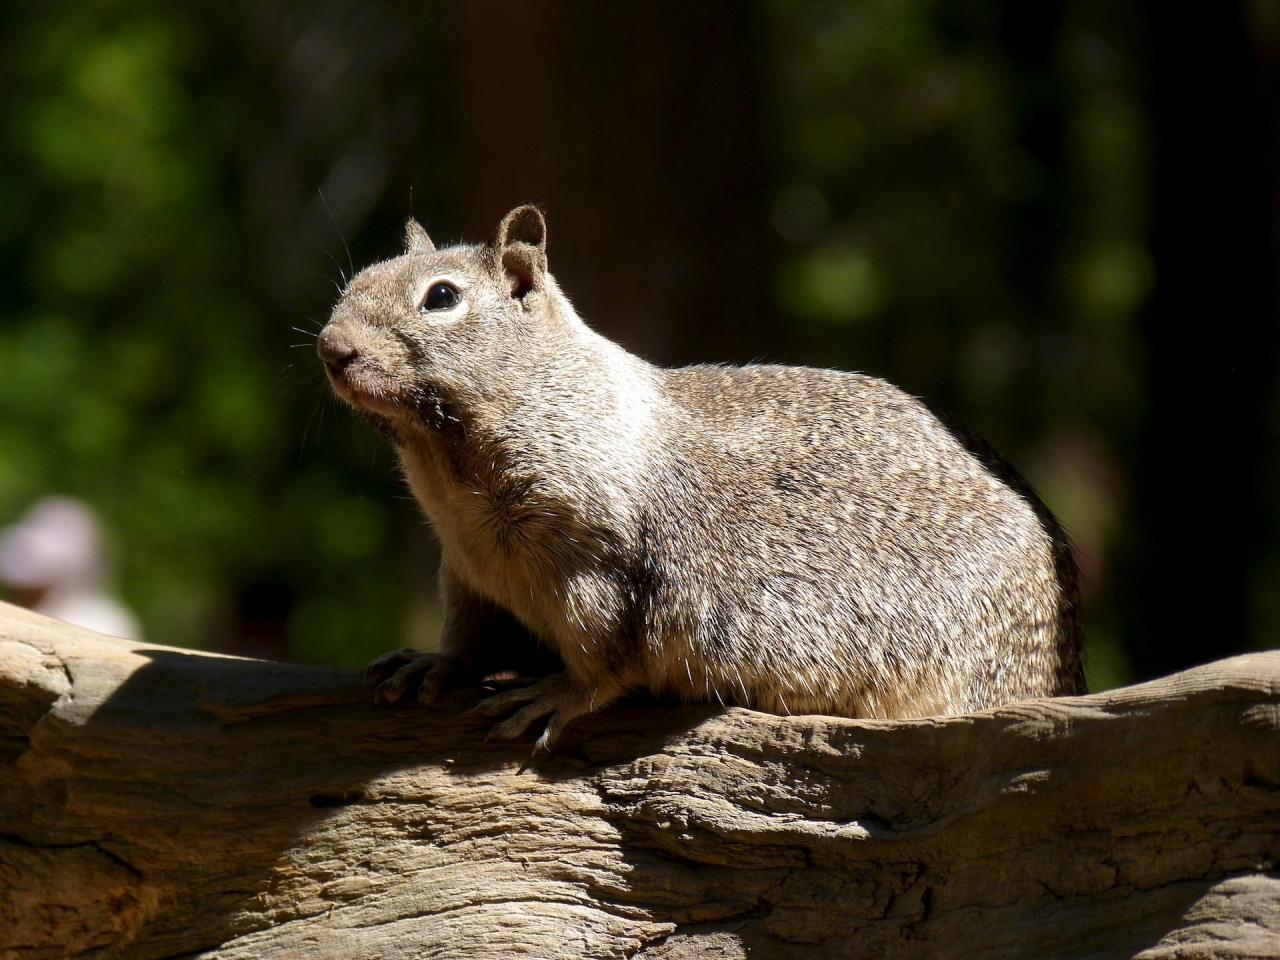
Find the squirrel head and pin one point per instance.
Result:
(417, 339)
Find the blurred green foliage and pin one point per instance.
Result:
(145, 370)
(954, 194)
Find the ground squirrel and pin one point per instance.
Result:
(789, 539)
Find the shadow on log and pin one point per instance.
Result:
(156, 802)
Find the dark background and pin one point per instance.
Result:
(1056, 220)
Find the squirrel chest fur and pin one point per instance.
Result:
(789, 539)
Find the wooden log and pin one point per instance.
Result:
(157, 802)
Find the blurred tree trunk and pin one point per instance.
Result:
(640, 133)
(1036, 225)
(1208, 445)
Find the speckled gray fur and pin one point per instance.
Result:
(790, 539)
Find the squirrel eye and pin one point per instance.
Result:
(441, 296)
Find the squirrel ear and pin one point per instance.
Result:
(416, 239)
(520, 244)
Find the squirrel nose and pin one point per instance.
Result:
(335, 351)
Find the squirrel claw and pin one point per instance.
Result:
(556, 698)
(501, 703)
(380, 668)
(396, 673)
(515, 726)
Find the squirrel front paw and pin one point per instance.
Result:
(556, 697)
(394, 674)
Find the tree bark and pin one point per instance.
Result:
(157, 802)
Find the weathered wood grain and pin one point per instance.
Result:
(157, 802)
